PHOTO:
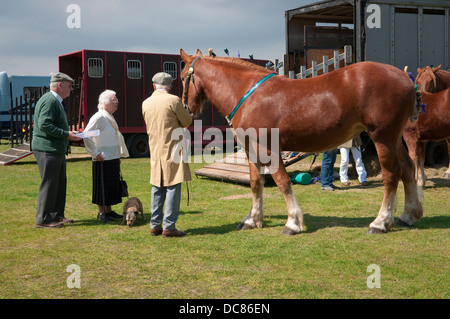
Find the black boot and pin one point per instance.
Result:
(104, 217)
(113, 214)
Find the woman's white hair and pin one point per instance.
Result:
(104, 98)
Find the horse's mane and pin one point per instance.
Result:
(237, 61)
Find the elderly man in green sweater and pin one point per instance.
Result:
(50, 143)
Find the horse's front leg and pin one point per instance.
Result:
(255, 218)
(295, 223)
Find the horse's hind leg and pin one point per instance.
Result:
(395, 164)
(255, 218)
(391, 176)
(295, 223)
(413, 192)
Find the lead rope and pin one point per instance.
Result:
(187, 187)
(313, 161)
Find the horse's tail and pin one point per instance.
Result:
(418, 105)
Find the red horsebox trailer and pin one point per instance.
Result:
(129, 74)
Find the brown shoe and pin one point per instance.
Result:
(155, 232)
(50, 225)
(365, 183)
(63, 220)
(345, 184)
(173, 233)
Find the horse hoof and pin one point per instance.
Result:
(240, 226)
(446, 176)
(288, 231)
(401, 223)
(375, 231)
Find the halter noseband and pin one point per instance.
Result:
(186, 84)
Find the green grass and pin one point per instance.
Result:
(216, 260)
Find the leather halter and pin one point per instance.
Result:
(187, 82)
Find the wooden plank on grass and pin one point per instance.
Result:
(234, 167)
(14, 154)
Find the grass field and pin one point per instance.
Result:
(215, 260)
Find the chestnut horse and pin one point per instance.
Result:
(312, 115)
(433, 124)
(432, 79)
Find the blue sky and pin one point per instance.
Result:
(34, 33)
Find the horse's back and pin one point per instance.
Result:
(333, 108)
(360, 79)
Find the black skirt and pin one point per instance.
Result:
(106, 183)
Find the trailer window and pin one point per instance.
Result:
(171, 68)
(406, 10)
(134, 70)
(95, 68)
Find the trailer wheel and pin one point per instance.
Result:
(436, 153)
(138, 146)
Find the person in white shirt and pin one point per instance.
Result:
(106, 150)
(354, 146)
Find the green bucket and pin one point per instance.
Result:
(301, 178)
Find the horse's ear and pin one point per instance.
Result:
(437, 68)
(185, 57)
(199, 52)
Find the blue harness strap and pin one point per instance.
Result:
(229, 117)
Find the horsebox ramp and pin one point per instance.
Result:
(15, 154)
(234, 167)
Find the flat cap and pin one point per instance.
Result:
(162, 78)
(61, 77)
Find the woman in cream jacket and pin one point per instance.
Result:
(106, 150)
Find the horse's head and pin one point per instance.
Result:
(426, 79)
(193, 95)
